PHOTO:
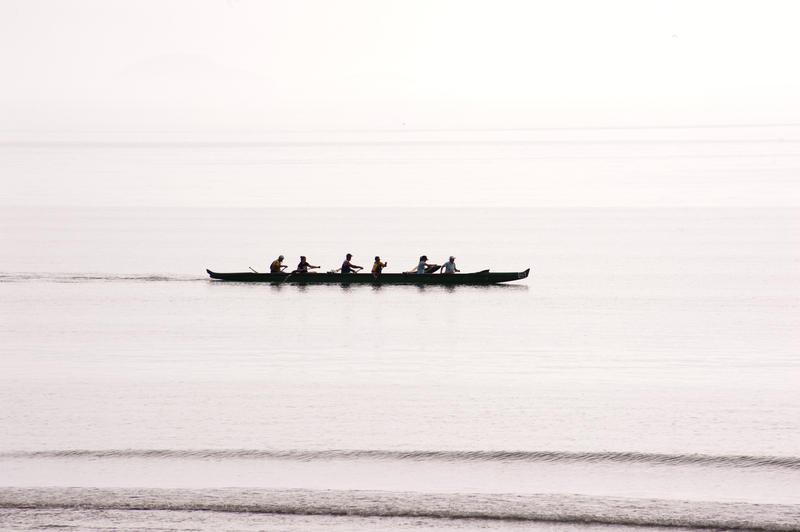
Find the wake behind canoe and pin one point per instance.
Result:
(484, 277)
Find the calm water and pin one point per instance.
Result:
(645, 375)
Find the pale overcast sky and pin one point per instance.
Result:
(203, 64)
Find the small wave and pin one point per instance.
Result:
(557, 508)
(783, 462)
(93, 277)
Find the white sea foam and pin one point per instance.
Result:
(503, 507)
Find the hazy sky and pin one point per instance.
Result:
(203, 64)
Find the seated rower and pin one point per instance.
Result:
(378, 267)
(304, 266)
(424, 267)
(449, 266)
(349, 267)
(276, 266)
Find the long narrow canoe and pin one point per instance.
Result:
(449, 279)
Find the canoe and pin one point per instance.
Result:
(484, 277)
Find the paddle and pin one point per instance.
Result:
(251, 269)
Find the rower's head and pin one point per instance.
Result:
(302, 257)
(452, 258)
(349, 256)
(280, 257)
(423, 258)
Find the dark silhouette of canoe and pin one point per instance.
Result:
(448, 279)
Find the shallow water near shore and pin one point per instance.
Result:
(645, 374)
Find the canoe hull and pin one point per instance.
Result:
(478, 278)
